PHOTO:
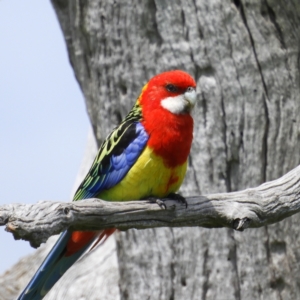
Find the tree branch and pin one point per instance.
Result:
(266, 204)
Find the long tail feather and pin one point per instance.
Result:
(68, 249)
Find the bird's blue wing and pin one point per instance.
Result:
(116, 156)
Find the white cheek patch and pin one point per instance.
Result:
(175, 105)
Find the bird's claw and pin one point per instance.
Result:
(179, 198)
(159, 202)
(172, 196)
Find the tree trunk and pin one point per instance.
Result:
(245, 58)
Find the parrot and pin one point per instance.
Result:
(144, 157)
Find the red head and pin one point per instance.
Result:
(172, 90)
(166, 103)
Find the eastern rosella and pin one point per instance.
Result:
(145, 156)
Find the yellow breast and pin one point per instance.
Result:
(147, 177)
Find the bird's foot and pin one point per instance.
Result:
(179, 198)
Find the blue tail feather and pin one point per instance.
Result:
(53, 267)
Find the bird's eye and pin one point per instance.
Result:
(171, 88)
(190, 89)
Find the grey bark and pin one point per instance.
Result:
(244, 56)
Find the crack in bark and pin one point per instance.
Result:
(233, 260)
(243, 15)
(198, 27)
(172, 266)
(298, 66)
(265, 143)
(240, 8)
(154, 36)
(233, 61)
(205, 285)
(204, 104)
(272, 16)
(239, 82)
(228, 165)
(278, 125)
(270, 262)
(194, 172)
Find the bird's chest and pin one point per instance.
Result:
(149, 176)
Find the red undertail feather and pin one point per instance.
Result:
(80, 238)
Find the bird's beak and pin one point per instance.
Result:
(190, 96)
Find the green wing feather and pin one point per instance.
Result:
(103, 173)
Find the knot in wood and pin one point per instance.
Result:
(241, 224)
(66, 210)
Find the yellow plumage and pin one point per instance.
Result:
(148, 176)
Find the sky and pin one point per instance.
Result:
(43, 119)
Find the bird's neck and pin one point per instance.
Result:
(170, 135)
